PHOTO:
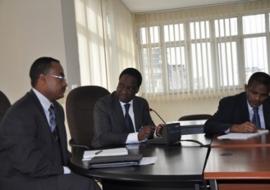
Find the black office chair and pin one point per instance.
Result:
(195, 128)
(4, 104)
(79, 109)
(194, 117)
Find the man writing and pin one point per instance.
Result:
(33, 147)
(122, 117)
(245, 112)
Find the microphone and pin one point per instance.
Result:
(150, 109)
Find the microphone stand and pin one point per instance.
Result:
(150, 109)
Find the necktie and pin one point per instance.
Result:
(52, 118)
(128, 121)
(256, 118)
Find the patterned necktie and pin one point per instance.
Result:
(52, 118)
(256, 117)
(128, 121)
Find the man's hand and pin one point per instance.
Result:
(145, 132)
(159, 129)
(246, 127)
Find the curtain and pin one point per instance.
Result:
(203, 51)
(105, 39)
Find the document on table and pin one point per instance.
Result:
(89, 154)
(242, 136)
(148, 160)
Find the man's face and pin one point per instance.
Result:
(55, 82)
(256, 93)
(127, 88)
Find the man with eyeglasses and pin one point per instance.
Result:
(33, 144)
(122, 117)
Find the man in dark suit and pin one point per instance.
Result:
(244, 112)
(33, 147)
(122, 117)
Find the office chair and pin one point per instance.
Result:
(194, 117)
(79, 109)
(4, 104)
(195, 127)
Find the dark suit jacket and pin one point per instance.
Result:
(109, 124)
(4, 104)
(28, 150)
(233, 110)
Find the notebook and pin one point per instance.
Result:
(90, 154)
(114, 161)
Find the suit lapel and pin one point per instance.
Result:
(40, 109)
(266, 113)
(243, 111)
(136, 110)
(117, 113)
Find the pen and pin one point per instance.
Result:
(99, 151)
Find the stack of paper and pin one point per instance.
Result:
(242, 136)
(89, 154)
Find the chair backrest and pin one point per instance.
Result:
(194, 117)
(79, 109)
(4, 104)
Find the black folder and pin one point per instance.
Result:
(114, 161)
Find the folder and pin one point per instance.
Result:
(115, 161)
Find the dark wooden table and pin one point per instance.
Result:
(177, 167)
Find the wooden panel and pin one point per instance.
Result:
(261, 141)
(244, 186)
(238, 163)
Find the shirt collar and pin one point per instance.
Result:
(45, 102)
(250, 108)
(123, 103)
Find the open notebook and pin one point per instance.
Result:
(242, 136)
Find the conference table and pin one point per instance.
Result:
(239, 164)
(259, 141)
(178, 166)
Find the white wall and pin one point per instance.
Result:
(33, 28)
(28, 29)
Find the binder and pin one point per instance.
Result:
(114, 161)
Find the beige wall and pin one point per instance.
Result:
(172, 110)
(33, 28)
(29, 29)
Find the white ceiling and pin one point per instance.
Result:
(138, 6)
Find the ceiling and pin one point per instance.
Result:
(138, 6)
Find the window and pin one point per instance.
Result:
(209, 55)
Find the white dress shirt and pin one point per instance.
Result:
(260, 111)
(132, 137)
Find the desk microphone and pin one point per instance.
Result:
(163, 121)
(172, 134)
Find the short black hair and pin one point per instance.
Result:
(40, 66)
(260, 77)
(132, 72)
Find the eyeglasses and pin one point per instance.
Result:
(58, 77)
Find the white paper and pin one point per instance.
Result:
(89, 154)
(148, 160)
(242, 136)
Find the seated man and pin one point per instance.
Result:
(33, 147)
(121, 117)
(245, 112)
